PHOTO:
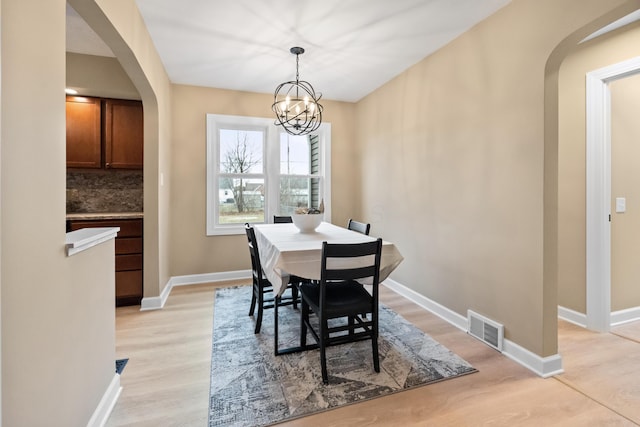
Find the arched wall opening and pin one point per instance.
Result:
(108, 20)
(553, 251)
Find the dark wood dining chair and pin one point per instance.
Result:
(358, 226)
(340, 295)
(262, 296)
(282, 219)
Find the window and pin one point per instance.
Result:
(255, 171)
(300, 175)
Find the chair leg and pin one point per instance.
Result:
(294, 295)
(253, 302)
(276, 303)
(323, 351)
(374, 347)
(304, 317)
(260, 310)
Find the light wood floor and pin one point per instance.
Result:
(166, 381)
(630, 331)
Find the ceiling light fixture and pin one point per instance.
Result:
(296, 104)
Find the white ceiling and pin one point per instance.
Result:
(81, 38)
(352, 46)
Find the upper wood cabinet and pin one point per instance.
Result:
(104, 133)
(123, 135)
(83, 132)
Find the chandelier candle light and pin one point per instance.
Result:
(296, 104)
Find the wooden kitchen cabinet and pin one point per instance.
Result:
(84, 132)
(128, 252)
(123, 134)
(104, 133)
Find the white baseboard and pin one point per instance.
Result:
(617, 318)
(572, 316)
(156, 303)
(542, 366)
(194, 279)
(439, 310)
(625, 316)
(108, 401)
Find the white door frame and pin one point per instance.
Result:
(598, 129)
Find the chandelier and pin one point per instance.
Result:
(295, 104)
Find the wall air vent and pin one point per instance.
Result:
(486, 330)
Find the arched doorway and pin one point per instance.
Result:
(553, 224)
(140, 66)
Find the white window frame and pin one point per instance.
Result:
(271, 166)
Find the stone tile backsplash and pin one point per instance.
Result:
(104, 191)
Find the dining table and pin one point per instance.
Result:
(284, 251)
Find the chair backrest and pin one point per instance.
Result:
(358, 226)
(256, 267)
(282, 219)
(366, 258)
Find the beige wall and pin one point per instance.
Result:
(58, 340)
(606, 50)
(625, 177)
(193, 251)
(99, 76)
(460, 138)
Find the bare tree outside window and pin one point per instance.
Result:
(242, 156)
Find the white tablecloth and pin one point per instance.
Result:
(284, 250)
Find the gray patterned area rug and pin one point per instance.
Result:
(250, 386)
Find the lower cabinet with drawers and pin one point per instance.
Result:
(128, 256)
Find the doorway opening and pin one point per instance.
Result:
(599, 190)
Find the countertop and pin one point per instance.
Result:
(83, 239)
(105, 215)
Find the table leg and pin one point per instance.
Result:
(280, 351)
